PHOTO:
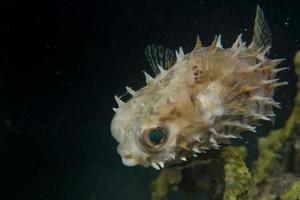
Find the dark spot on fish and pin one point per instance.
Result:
(247, 93)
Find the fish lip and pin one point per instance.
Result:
(129, 161)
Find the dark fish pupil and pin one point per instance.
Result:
(157, 135)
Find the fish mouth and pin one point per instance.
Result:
(129, 161)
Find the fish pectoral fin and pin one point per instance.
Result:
(159, 57)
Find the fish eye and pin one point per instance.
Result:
(155, 137)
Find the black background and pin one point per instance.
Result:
(62, 62)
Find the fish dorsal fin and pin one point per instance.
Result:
(159, 56)
(262, 36)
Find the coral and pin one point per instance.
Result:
(238, 179)
(224, 175)
(293, 193)
(162, 185)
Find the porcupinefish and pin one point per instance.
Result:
(197, 101)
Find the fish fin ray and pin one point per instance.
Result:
(159, 56)
(262, 36)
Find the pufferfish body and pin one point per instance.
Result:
(198, 101)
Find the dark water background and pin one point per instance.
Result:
(62, 62)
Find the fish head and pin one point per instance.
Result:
(153, 127)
